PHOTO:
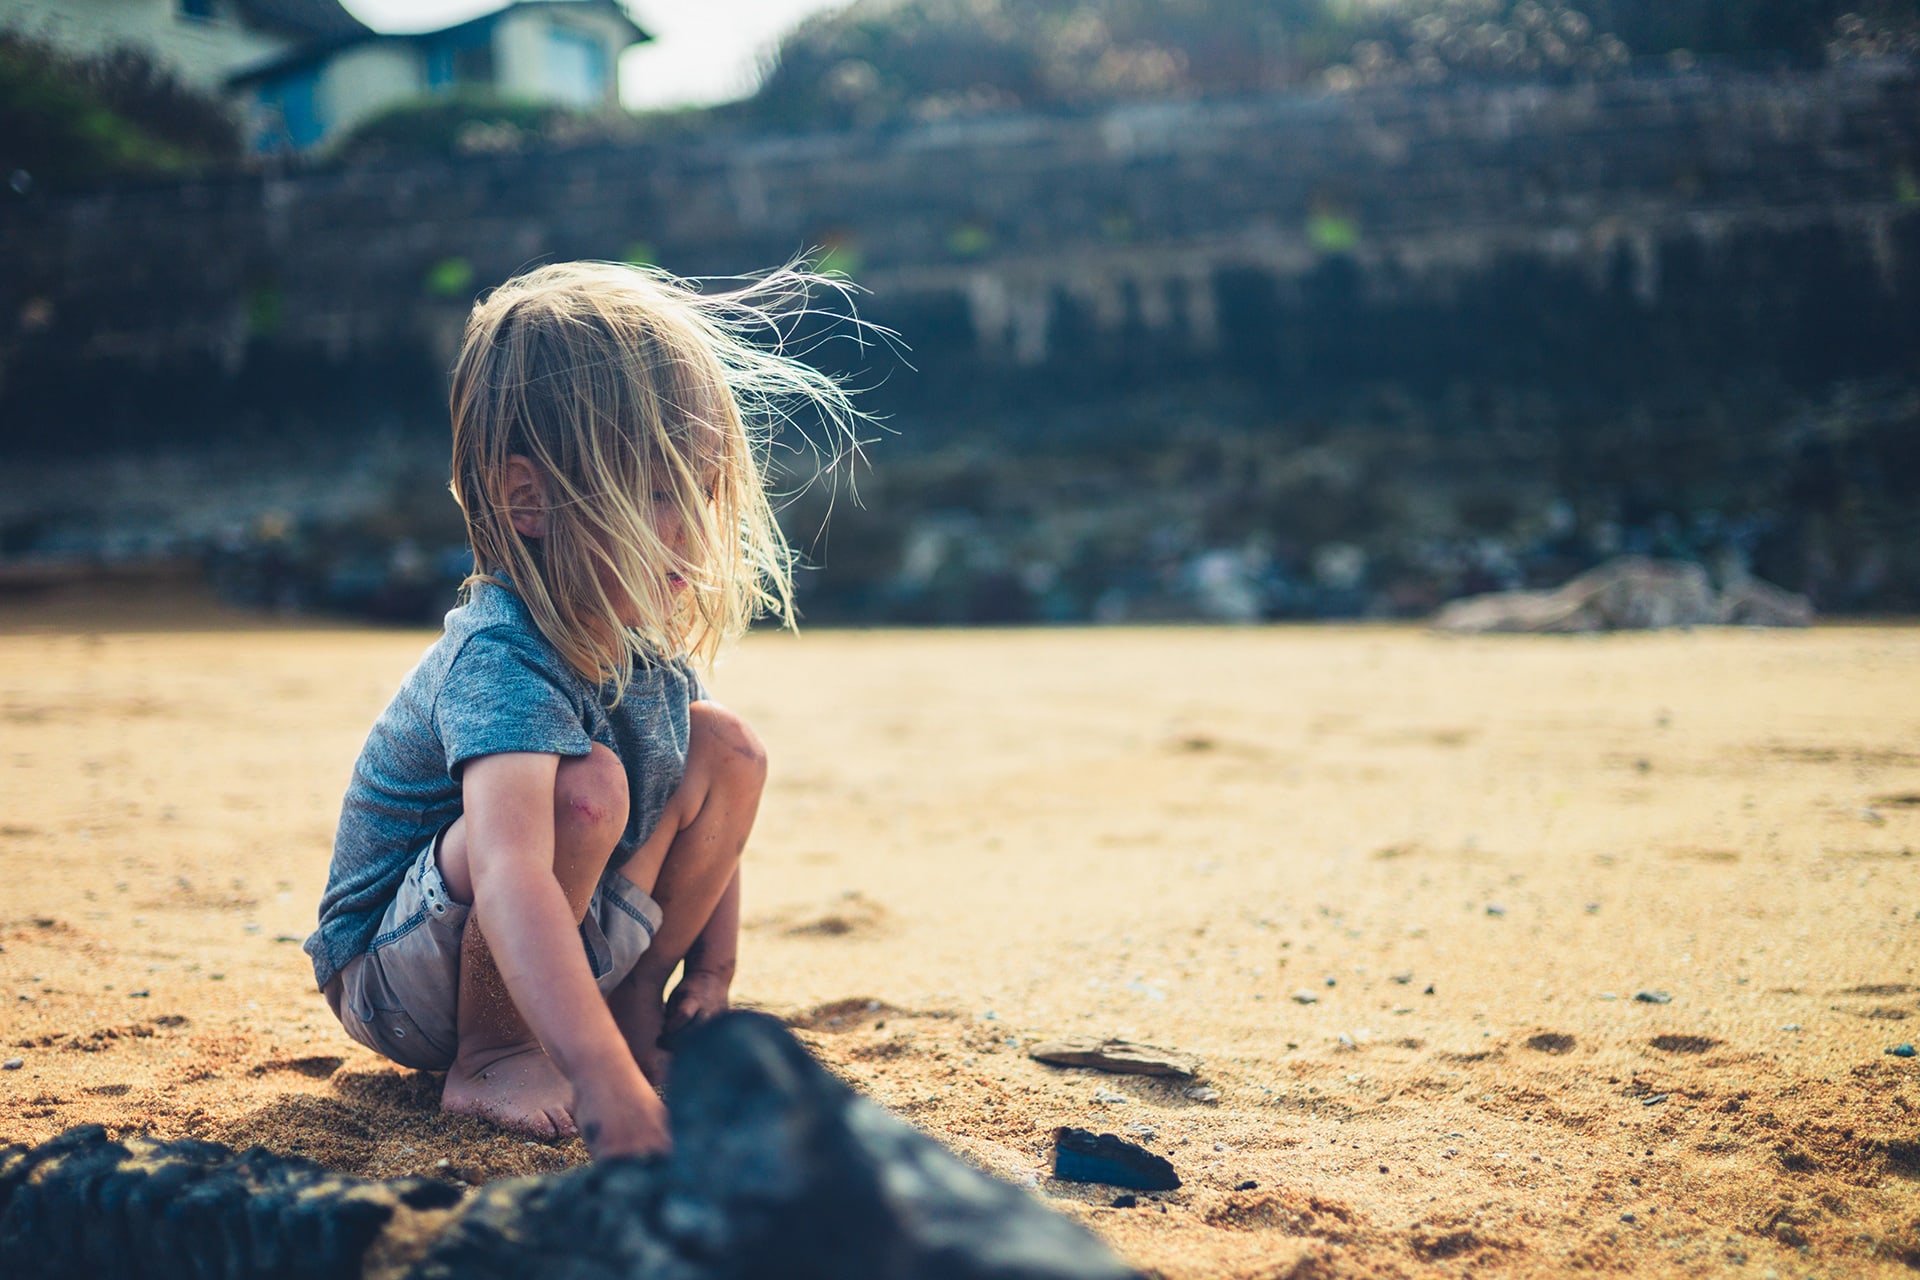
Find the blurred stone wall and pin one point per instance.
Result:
(1310, 355)
(1657, 229)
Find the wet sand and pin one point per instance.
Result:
(1398, 892)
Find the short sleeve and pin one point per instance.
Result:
(501, 695)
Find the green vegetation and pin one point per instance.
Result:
(462, 122)
(72, 122)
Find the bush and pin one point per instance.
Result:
(72, 122)
(920, 59)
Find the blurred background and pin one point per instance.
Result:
(1209, 309)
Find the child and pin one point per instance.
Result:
(548, 818)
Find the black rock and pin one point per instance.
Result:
(778, 1169)
(1083, 1156)
(1125, 1202)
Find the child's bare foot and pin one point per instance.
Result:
(517, 1087)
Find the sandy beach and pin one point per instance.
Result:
(1504, 956)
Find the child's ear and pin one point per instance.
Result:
(526, 497)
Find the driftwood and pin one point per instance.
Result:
(1122, 1057)
(778, 1169)
(1630, 593)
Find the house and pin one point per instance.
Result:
(204, 41)
(556, 51)
(307, 71)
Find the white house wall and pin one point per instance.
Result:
(365, 80)
(203, 51)
(521, 64)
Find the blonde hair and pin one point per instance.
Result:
(637, 398)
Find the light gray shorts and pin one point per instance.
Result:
(398, 997)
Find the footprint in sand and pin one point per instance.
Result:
(851, 915)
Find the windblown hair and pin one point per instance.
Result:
(639, 400)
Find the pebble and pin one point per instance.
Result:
(1429, 990)
(1248, 1185)
(1305, 997)
(1627, 1217)
(1794, 1026)
(1403, 978)
(1653, 997)
(1653, 1100)
(1204, 1093)
(1108, 1098)
(1495, 909)
(1125, 1202)
(141, 994)
(13, 1064)
(1902, 1051)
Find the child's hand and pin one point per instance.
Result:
(620, 1118)
(699, 995)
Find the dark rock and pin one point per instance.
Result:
(1082, 1156)
(777, 1169)
(1248, 1185)
(1902, 1051)
(1653, 997)
(1125, 1202)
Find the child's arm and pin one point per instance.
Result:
(535, 942)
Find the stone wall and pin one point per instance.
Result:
(1665, 230)
(1295, 356)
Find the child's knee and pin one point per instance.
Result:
(727, 744)
(590, 798)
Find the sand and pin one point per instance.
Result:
(1398, 892)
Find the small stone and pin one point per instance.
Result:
(1428, 991)
(1248, 1185)
(442, 1163)
(1108, 1098)
(13, 1064)
(1653, 997)
(1383, 1168)
(1305, 997)
(1627, 1217)
(1593, 908)
(1495, 909)
(1653, 1100)
(1902, 1051)
(1123, 1057)
(1403, 978)
(1203, 1093)
(1330, 982)
(1125, 1202)
(1794, 1026)
(141, 994)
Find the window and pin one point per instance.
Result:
(576, 68)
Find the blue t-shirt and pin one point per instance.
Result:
(491, 683)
